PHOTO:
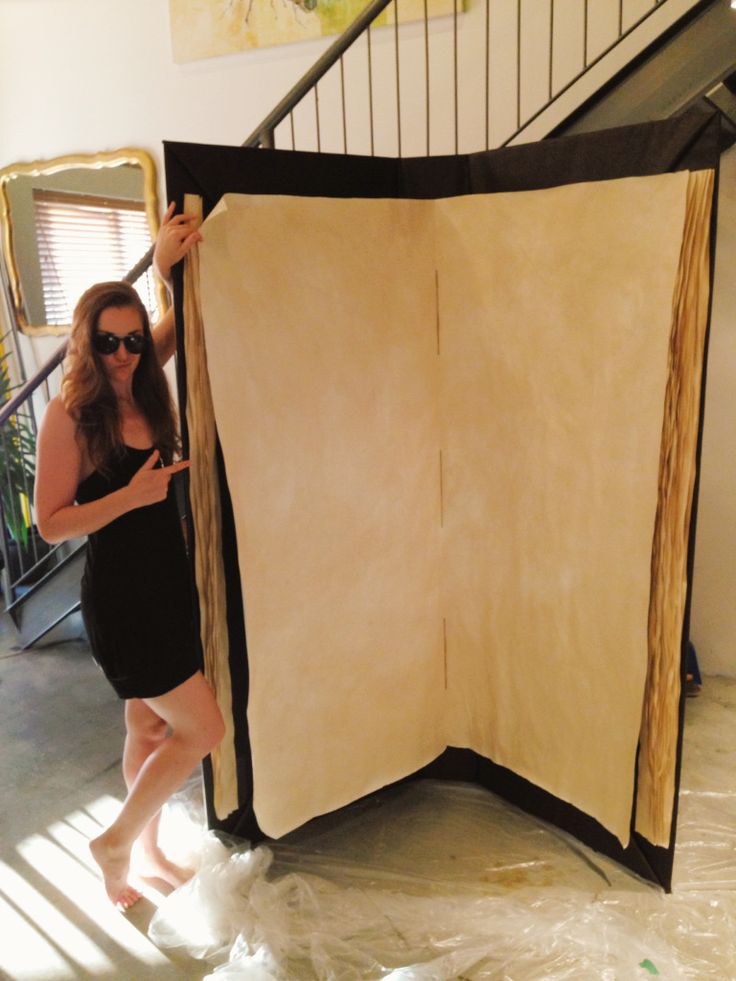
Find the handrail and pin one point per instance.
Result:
(330, 57)
(140, 267)
(25, 392)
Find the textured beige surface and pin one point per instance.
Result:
(555, 320)
(324, 384)
(339, 382)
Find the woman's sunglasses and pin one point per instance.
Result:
(109, 343)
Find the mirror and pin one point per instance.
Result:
(73, 221)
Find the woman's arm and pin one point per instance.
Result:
(58, 472)
(164, 337)
(176, 236)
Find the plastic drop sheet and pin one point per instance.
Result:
(434, 881)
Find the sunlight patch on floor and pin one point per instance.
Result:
(33, 946)
(39, 941)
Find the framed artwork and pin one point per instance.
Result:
(207, 28)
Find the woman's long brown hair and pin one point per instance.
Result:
(88, 395)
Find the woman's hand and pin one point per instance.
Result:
(150, 484)
(175, 238)
(59, 469)
(178, 233)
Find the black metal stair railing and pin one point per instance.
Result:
(598, 31)
(29, 565)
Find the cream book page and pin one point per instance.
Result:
(555, 314)
(321, 347)
(441, 425)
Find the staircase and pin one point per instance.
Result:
(694, 65)
(48, 594)
(653, 59)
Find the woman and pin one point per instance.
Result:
(107, 442)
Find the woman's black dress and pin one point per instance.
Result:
(136, 593)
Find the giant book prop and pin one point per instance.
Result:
(444, 421)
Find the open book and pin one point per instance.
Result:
(459, 438)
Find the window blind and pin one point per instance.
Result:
(84, 239)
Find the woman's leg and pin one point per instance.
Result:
(191, 712)
(145, 731)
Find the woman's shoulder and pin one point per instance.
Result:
(57, 415)
(59, 426)
(57, 410)
(60, 438)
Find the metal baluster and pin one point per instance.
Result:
(398, 74)
(26, 488)
(585, 34)
(455, 75)
(11, 498)
(370, 88)
(316, 112)
(8, 594)
(426, 67)
(488, 74)
(518, 63)
(620, 17)
(291, 125)
(551, 44)
(344, 115)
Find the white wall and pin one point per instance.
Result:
(713, 620)
(89, 75)
(83, 75)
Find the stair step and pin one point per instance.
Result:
(49, 601)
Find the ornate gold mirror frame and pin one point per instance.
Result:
(45, 168)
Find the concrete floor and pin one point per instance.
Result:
(61, 730)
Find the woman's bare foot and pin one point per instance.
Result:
(113, 862)
(152, 863)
